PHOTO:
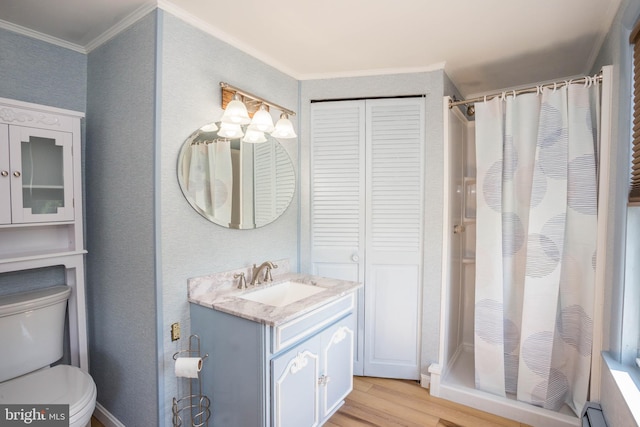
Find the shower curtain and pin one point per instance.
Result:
(536, 245)
(209, 180)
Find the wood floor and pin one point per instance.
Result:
(383, 402)
(394, 403)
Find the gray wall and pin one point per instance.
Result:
(192, 66)
(435, 85)
(39, 72)
(617, 51)
(121, 224)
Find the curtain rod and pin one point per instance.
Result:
(533, 89)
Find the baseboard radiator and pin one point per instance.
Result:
(592, 416)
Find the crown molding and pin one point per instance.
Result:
(172, 8)
(122, 25)
(372, 72)
(41, 36)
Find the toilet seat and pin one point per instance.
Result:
(61, 384)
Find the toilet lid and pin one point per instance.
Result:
(61, 384)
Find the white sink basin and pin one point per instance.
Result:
(282, 294)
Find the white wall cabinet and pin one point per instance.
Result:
(366, 217)
(292, 375)
(41, 201)
(36, 174)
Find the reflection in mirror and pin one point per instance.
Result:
(235, 184)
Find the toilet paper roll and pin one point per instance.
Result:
(188, 367)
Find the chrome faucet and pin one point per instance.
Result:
(267, 266)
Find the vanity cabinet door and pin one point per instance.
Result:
(336, 378)
(41, 175)
(295, 386)
(5, 176)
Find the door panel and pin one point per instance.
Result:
(337, 198)
(455, 128)
(295, 388)
(42, 187)
(394, 217)
(5, 176)
(392, 323)
(366, 221)
(337, 353)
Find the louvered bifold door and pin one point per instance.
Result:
(394, 213)
(338, 197)
(264, 183)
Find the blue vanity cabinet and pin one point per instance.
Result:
(294, 374)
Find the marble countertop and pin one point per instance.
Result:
(225, 298)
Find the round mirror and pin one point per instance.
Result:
(235, 184)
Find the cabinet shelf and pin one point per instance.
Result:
(469, 199)
(43, 187)
(36, 224)
(37, 255)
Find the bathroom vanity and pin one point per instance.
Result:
(280, 354)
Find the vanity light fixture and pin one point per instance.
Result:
(254, 136)
(284, 128)
(230, 130)
(258, 108)
(211, 127)
(236, 112)
(262, 120)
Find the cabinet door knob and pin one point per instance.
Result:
(4, 173)
(457, 229)
(355, 258)
(16, 174)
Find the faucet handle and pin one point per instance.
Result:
(268, 276)
(242, 283)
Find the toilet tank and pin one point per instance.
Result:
(31, 330)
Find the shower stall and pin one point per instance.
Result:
(455, 377)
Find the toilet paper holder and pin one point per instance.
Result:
(194, 406)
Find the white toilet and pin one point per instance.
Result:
(32, 335)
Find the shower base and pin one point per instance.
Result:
(458, 385)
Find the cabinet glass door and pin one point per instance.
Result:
(41, 175)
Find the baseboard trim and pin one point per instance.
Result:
(425, 381)
(106, 417)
